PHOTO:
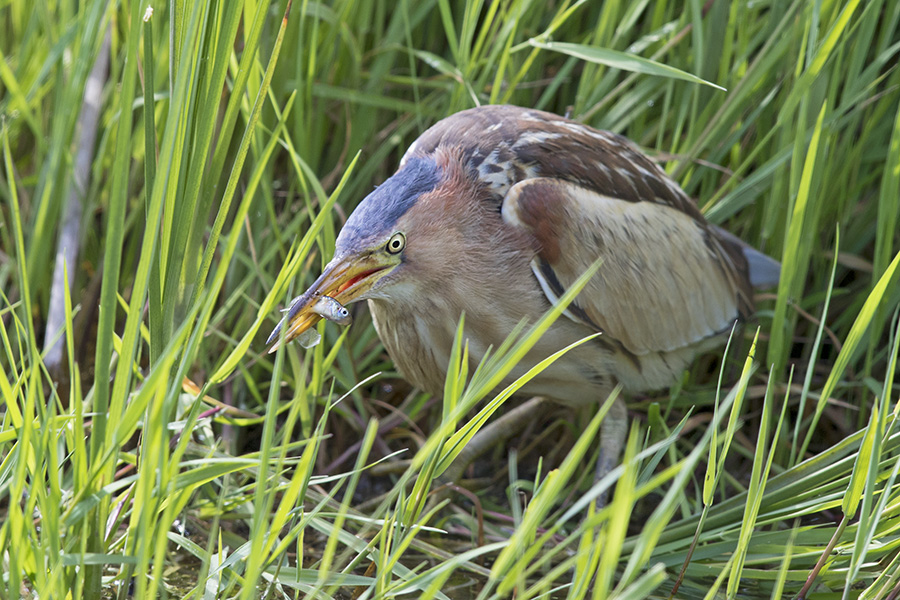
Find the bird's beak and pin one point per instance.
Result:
(345, 279)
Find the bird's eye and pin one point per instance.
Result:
(396, 243)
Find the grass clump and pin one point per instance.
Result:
(150, 447)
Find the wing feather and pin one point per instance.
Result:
(667, 281)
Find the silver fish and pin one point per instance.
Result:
(329, 308)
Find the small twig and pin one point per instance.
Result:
(824, 557)
(479, 510)
(385, 425)
(70, 235)
(807, 316)
(894, 593)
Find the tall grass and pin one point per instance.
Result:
(169, 455)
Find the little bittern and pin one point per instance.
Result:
(494, 211)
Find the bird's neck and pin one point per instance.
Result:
(418, 340)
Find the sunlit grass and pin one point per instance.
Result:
(170, 455)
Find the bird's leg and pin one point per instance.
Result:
(496, 432)
(612, 440)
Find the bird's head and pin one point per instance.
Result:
(371, 253)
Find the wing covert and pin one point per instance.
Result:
(667, 281)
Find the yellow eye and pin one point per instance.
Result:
(396, 243)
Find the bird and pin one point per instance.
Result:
(493, 213)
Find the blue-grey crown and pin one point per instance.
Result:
(378, 213)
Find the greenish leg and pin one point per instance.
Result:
(612, 440)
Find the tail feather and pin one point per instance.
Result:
(765, 271)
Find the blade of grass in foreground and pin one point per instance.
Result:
(621, 60)
(851, 345)
(544, 499)
(759, 475)
(793, 269)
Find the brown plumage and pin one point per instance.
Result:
(495, 211)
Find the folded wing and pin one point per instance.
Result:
(667, 281)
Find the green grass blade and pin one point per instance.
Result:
(621, 60)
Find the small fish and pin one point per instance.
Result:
(329, 308)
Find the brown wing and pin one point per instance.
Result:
(504, 145)
(669, 279)
(666, 281)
